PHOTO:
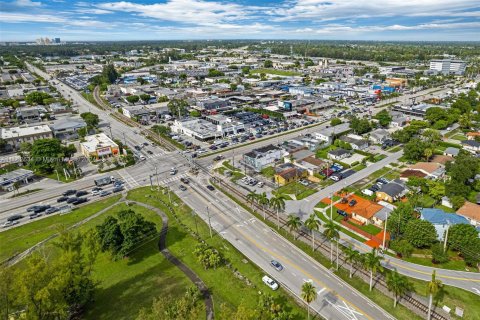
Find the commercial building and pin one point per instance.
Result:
(7, 180)
(448, 66)
(67, 128)
(99, 146)
(17, 135)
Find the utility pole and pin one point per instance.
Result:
(124, 140)
(209, 222)
(446, 237)
(195, 218)
(331, 206)
(384, 232)
(110, 127)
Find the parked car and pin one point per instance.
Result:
(270, 282)
(352, 202)
(277, 265)
(260, 184)
(304, 182)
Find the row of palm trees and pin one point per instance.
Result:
(371, 261)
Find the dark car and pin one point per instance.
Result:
(33, 208)
(51, 210)
(145, 144)
(62, 199)
(104, 193)
(81, 193)
(276, 265)
(69, 192)
(185, 180)
(35, 215)
(80, 200)
(352, 202)
(149, 152)
(40, 209)
(211, 188)
(72, 200)
(137, 148)
(117, 189)
(15, 217)
(182, 187)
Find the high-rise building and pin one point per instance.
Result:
(57, 40)
(448, 66)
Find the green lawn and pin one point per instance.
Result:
(322, 153)
(127, 285)
(181, 244)
(359, 167)
(275, 72)
(369, 228)
(18, 239)
(395, 149)
(459, 137)
(268, 172)
(227, 164)
(426, 201)
(297, 189)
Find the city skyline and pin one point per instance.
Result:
(445, 20)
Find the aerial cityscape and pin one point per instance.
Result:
(270, 160)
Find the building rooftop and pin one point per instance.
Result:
(96, 141)
(470, 210)
(438, 216)
(14, 132)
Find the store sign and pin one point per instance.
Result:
(103, 152)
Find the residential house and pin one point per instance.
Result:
(363, 210)
(381, 216)
(430, 170)
(391, 191)
(451, 152)
(312, 165)
(257, 159)
(356, 142)
(379, 136)
(136, 112)
(471, 146)
(327, 135)
(473, 135)
(290, 175)
(441, 220)
(28, 114)
(338, 154)
(470, 211)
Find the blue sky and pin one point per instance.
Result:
(71, 20)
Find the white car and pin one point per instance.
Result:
(270, 282)
(9, 224)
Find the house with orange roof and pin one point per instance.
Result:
(472, 135)
(362, 211)
(471, 212)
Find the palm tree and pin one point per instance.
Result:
(278, 203)
(309, 294)
(331, 232)
(294, 223)
(264, 201)
(351, 256)
(427, 153)
(312, 224)
(398, 284)
(432, 289)
(372, 262)
(252, 197)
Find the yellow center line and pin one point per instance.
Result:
(302, 271)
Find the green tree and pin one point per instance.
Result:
(69, 150)
(420, 233)
(294, 223)
(195, 113)
(277, 203)
(91, 119)
(397, 284)
(399, 218)
(268, 64)
(383, 118)
(36, 97)
(109, 73)
(178, 107)
(438, 254)
(309, 294)
(402, 247)
(110, 235)
(433, 287)
(45, 154)
(135, 229)
(162, 130)
(372, 262)
(459, 235)
(141, 81)
(335, 122)
(145, 97)
(351, 257)
(264, 202)
(414, 150)
(8, 293)
(360, 126)
(252, 196)
(313, 225)
(332, 233)
(133, 99)
(215, 73)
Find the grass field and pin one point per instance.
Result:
(127, 285)
(297, 189)
(181, 244)
(275, 72)
(18, 239)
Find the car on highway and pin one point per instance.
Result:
(51, 210)
(35, 215)
(81, 193)
(270, 282)
(117, 189)
(96, 191)
(79, 201)
(40, 209)
(15, 217)
(69, 192)
(104, 193)
(211, 188)
(182, 187)
(72, 199)
(62, 199)
(277, 265)
(7, 223)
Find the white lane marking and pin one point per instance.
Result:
(320, 291)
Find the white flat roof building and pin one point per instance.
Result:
(447, 66)
(17, 135)
(99, 146)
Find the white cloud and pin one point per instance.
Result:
(27, 3)
(45, 18)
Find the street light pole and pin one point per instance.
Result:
(446, 237)
(209, 222)
(384, 232)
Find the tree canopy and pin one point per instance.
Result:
(420, 233)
